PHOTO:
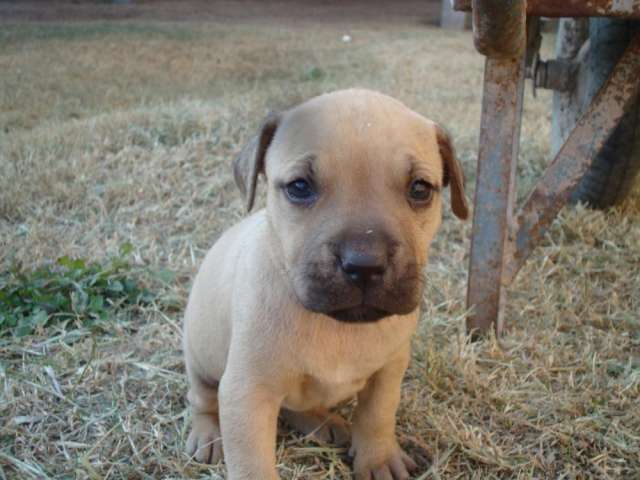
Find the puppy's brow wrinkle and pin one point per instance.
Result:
(418, 169)
(303, 166)
(307, 161)
(310, 161)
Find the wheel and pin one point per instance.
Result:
(596, 45)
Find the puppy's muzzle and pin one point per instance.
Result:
(364, 280)
(363, 261)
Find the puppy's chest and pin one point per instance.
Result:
(333, 364)
(330, 378)
(325, 390)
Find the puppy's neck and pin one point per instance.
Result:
(274, 249)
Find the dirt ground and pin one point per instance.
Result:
(290, 12)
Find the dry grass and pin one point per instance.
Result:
(125, 132)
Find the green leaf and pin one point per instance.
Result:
(125, 249)
(70, 289)
(75, 264)
(79, 300)
(116, 286)
(23, 329)
(166, 276)
(39, 318)
(96, 304)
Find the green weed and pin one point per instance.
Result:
(71, 290)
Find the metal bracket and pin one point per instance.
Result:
(557, 74)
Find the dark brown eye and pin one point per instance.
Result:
(300, 192)
(420, 192)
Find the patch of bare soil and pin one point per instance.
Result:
(279, 11)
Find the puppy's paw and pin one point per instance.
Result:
(321, 425)
(382, 463)
(205, 442)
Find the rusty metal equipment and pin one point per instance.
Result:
(565, 8)
(506, 32)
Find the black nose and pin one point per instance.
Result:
(363, 262)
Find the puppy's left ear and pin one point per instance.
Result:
(452, 174)
(250, 162)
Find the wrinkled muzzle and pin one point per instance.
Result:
(359, 276)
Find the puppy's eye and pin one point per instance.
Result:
(420, 192)
(300, 191)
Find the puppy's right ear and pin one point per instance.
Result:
(452, 174)
(250, 162)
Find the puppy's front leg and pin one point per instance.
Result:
(248, 420)
(377, 453)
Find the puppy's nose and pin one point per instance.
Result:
(363, 264)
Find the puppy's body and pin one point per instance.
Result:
(314, 360)
(314, 300)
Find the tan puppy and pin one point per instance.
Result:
(314, 299)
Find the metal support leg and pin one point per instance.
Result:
(552, 191)
(495, 190)
(502, 241)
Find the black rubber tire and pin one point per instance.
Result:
(612, 174)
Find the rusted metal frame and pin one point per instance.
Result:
(499, 27)
(495, 190)
(621, 90)
(572, 8)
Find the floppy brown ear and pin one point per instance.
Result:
(452, 174)
(250, 162)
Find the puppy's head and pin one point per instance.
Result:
(355, 183)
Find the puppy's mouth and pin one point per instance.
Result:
(359, 314)
(322, 287)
